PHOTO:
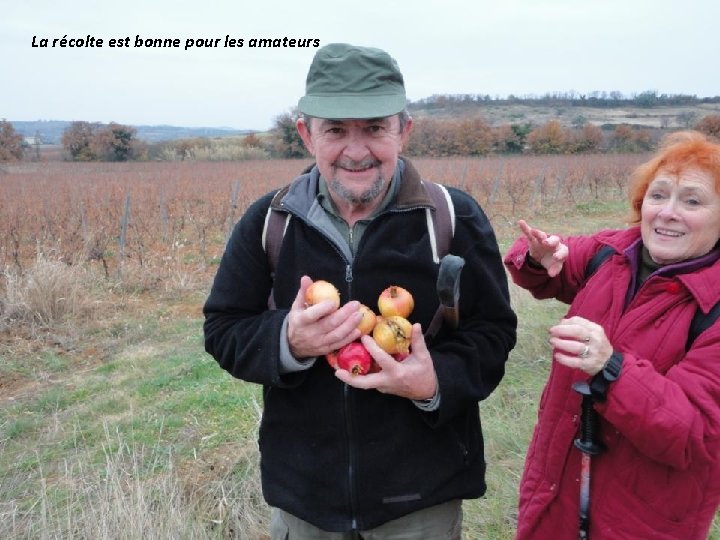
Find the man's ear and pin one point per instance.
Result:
(304, 132)
(405, 134)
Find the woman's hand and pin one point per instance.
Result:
(580, 344)
(547, 250)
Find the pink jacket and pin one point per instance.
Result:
(660, 475)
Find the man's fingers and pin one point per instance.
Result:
(417, 343)
(382, 358)
(299, 302)
(335, 327)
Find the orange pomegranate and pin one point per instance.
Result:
(322, 290)
(396, 300)
(393, 334)
(367, 323)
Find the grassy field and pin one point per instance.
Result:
(114, 423)
(153, 436)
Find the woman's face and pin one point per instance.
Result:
(680, 215)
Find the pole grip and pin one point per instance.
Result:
(588, 442)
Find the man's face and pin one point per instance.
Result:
(356, 157)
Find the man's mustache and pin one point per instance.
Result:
(356, 165)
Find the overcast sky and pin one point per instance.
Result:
(495, 47)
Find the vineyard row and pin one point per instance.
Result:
(163, 215)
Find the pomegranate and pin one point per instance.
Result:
(322, 290)
(355, 358)
(367, 323)
(392, 334)
(395, 301)
(332, 359)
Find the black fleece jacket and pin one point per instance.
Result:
(335, 456)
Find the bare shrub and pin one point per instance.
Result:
(220, 150)
(48, 293)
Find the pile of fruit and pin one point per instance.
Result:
(391, 329)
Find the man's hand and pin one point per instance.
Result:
(413, 378)
(320, 329)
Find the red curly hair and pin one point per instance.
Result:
(679, 151)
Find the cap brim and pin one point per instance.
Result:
(341, 107)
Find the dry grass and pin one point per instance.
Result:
(50, 292)
(135, 493)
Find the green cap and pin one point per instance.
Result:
(348, 81)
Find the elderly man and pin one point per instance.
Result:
(390, 454)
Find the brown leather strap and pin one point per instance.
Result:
(275, 223)
(274, 232)
(442, 221)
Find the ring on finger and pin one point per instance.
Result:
(585, 352)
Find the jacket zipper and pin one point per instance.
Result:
(349, 278)
(349, 425)
(346, 400)
(351, 457)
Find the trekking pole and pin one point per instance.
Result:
(589, 447)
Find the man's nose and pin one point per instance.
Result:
(356, 147)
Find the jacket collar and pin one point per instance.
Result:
(699, 275)
(412, 193)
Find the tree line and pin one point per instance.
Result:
(599, 99)
(431, 137)
(446, 137)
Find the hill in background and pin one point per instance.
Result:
(51, 131)
(647, 110)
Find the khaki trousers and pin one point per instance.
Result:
(441, 522)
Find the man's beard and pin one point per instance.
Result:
(367, 196)
(361, 199)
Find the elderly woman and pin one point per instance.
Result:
(651, 386)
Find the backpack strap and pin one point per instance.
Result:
(701, 322)
(276, 222)
(597, 260)
(441, 223)
(441, 229)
